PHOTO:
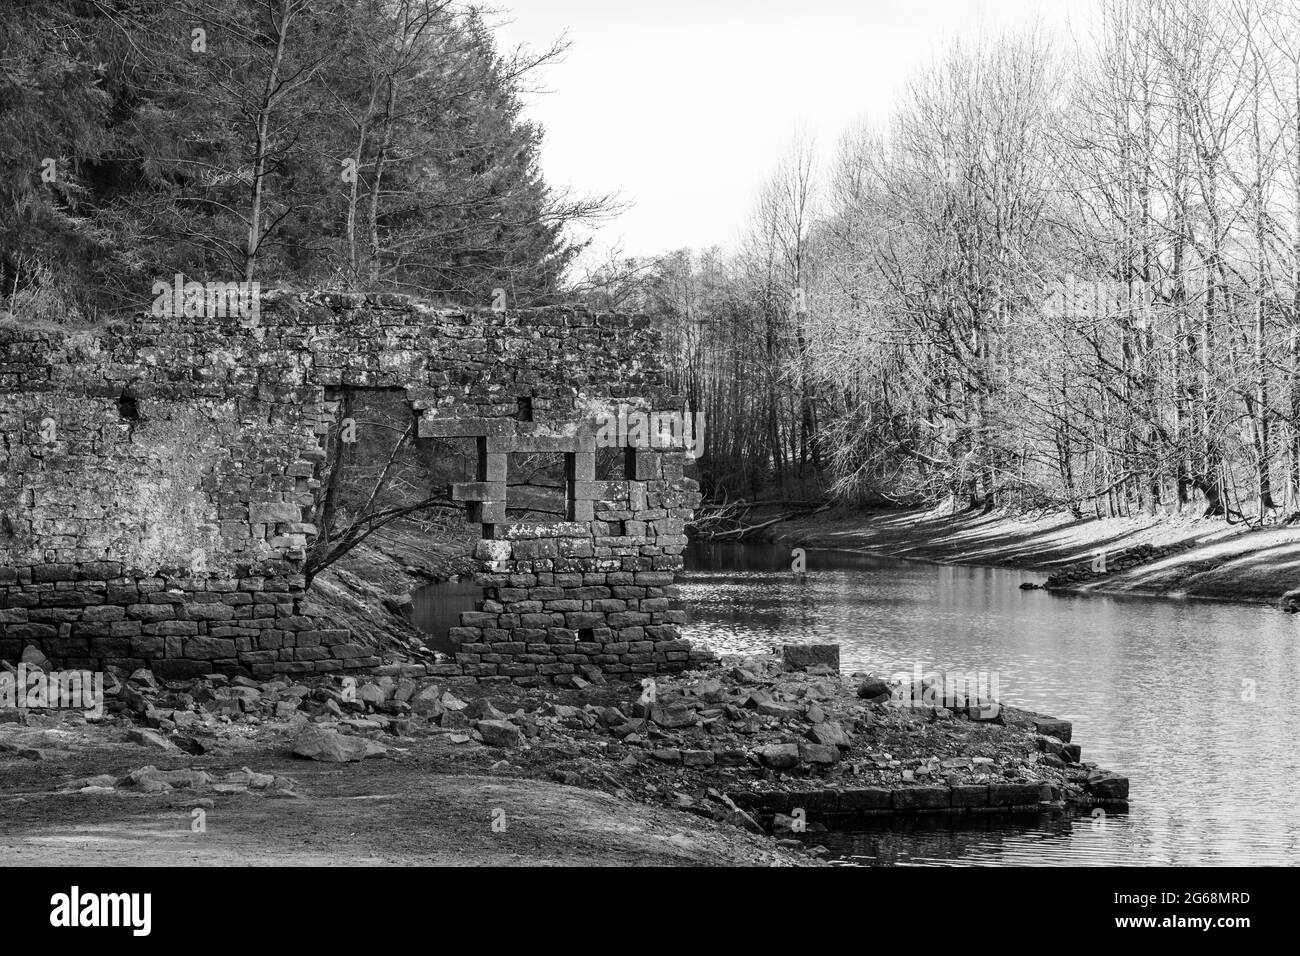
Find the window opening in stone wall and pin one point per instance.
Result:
(537, 487)
(379, 478)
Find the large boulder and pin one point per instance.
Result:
(1062, 730)
(780, 756)
(673, 717)
(874, 688)
(428, 701)
(988, 714)
(1107, 785)
(499, 733)
(152, 778)
(831, 733)
(818, 753)
(779, 710)
(315, 743)
(33, 657)
(801, 657)
(483, 709)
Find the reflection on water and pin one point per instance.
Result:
(1194, 701)
(1012, 839)
(436, 608)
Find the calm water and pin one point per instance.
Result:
(1155, 689)
(435, 609)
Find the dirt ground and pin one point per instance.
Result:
(1223, 562)
(493, 775)
(402, 809)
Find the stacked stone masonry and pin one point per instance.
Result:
(594, 592)
(157, 480)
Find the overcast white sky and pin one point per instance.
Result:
(685, 106)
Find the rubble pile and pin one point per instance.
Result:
(746, 742)
(1114, 562)
(150, 779)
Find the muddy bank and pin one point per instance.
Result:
(1164, 556)
(391, 813)
(700, 768)
(220, 784)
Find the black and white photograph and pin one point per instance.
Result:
(848, 437)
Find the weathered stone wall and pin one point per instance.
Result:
(593, 593)
(156, 480)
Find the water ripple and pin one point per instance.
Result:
(1194, 701)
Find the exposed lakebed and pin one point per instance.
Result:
(1194, 701)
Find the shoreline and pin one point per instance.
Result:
(715, 770)
(742, 763)
(1147, 556)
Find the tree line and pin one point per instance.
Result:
(1053, 277)
(361, 145)
(352, 144)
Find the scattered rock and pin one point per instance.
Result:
(499, 733)
(149, 738)
(101, 782)
(799, 657)
(780, 756)
(1107, 785)
(987, 714)
(251, 779)
(874, 688)
(454, 720)
(313, 743)
(779, 710)
(428, 701)
(831, 734)
(1049, 745)
(818, 753)
(482, 709)
(1060, 729)
(33, 657)
(673, 717)
(151, 780)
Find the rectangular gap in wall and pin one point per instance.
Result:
(537, 487)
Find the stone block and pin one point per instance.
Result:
(799, 657)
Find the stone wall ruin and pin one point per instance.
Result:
(157, 479)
